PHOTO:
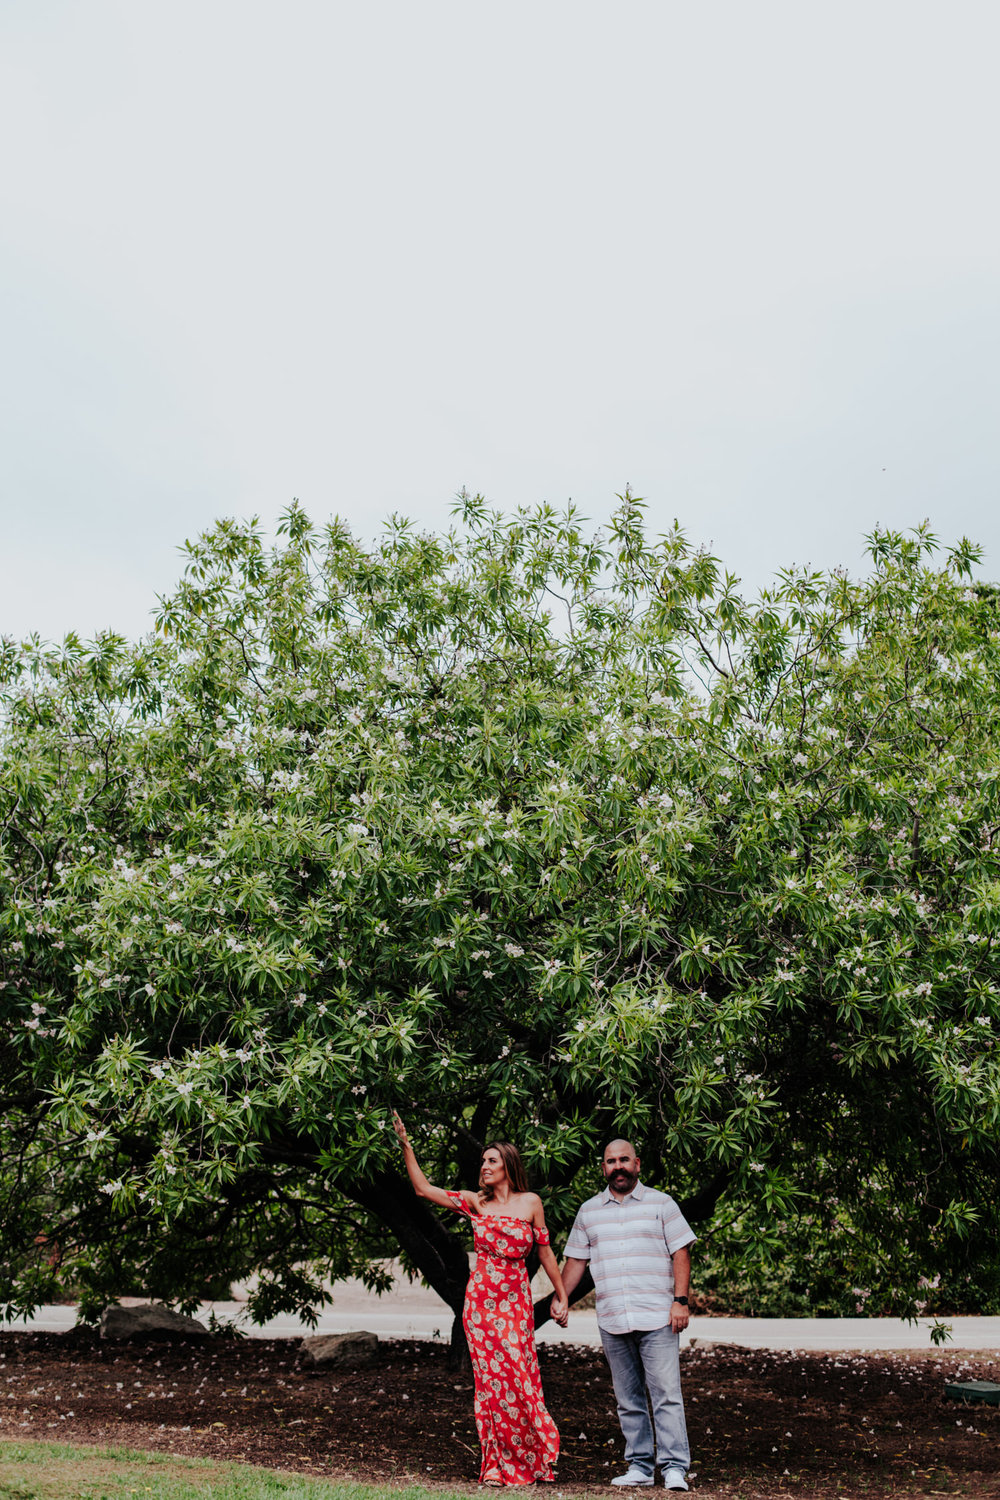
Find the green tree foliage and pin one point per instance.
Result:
(533, 833)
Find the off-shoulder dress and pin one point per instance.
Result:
(517, 1436)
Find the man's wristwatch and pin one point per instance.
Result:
(682, 1300)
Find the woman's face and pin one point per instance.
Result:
(493, 1172)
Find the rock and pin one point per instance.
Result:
(341, 1349)
(974, 1390)
(150, 1320)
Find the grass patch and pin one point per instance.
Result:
(59, 1471)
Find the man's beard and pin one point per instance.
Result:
(623, 1181)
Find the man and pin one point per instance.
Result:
(636, 1242)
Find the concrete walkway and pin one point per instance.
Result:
(415, 1313)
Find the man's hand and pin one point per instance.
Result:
(559, 1311)
(679, 1317)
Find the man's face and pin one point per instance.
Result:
(621, 1167)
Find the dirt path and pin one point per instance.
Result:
(762, 1424)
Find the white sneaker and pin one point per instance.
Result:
(634, 1476)
(673, 1478)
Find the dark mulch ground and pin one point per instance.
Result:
(762, 1424)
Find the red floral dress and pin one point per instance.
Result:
(518, 1438)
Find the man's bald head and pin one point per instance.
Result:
(616, 1145)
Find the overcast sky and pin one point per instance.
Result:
(743, 257)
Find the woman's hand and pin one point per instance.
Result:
(400, 1129)
(559, 1308)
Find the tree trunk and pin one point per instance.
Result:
(701, 1205)
(459, 1359)
(438, 1255)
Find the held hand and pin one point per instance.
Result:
(400, 1129)
(559, 1309)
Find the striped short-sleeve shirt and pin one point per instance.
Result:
(630, 1246)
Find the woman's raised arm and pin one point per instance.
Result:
(421, 1186)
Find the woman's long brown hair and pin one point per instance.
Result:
(513, 1166)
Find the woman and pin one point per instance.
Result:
(518, 1438)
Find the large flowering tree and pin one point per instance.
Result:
(531, 833)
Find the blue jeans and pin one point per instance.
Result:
(649, 1358)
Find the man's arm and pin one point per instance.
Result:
(679, 1315)
(571, 1274)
